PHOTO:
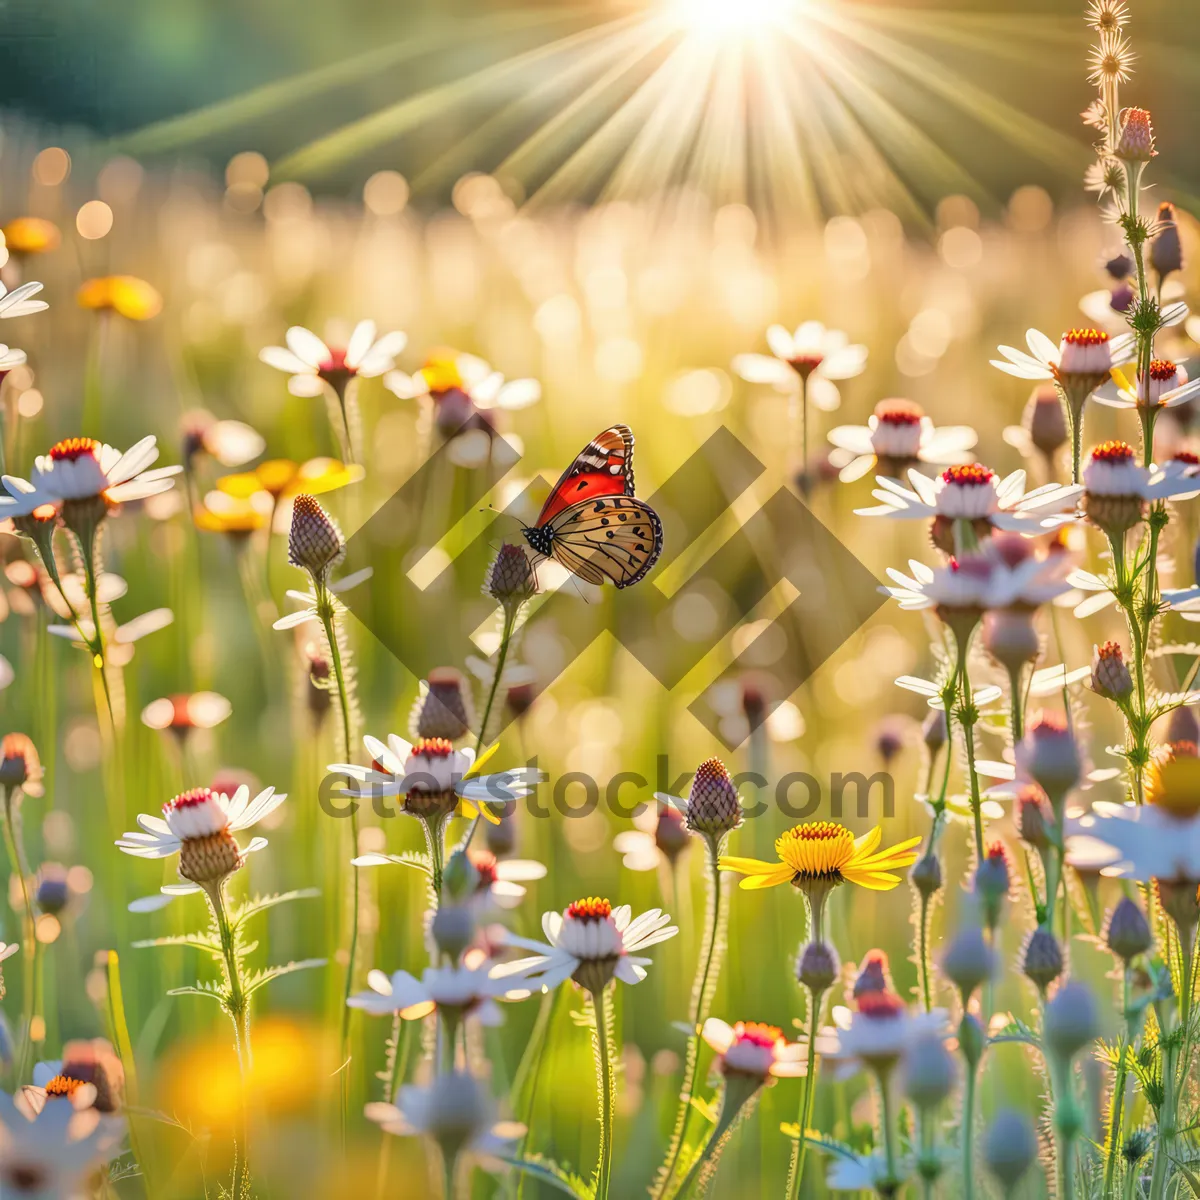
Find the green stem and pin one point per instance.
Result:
(966, 718)
(807, 1096)
(925, 965)
(17, 859)
(238, 1006)
(705, 982)
(968, 1135)
(607, 1087)
(1116, 1118)
(705, 1163)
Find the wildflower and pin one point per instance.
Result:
(238, 519)
(315, 542)
(493, 880)
(1105, 176)
(817, 967)
(1166, 251)
(432, 778)
(312, 364)
(281, 479)
(877, 1034)
(185, 711)
(453, 1111)
(659, 836)
(443, 708)
(460, 384)
(90, 1063)
(53, 1154)
(26, 236)
(1116, 488)
(590, 942)
(1135, 140)
(713, 808)
(896, 438)
(126, 295)
(926, 876)
(20, 766)
(510, 579)
(1033, 816)
(1110, 675)
(812, 354)
(973, 494)
(934, 730)
(463, 991)
(1106, 16)
(1009, 1148)
(230, 443)
(748, 1048)
(1048, 754)
(1042, 958)
(1164, 385)
(873, 975)
(992, 881)
(1082, 359)
(199, 826)
(17, 303)
(80, 470)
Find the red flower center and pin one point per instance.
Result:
(591, 908)
(192, 799)
(880, 1005)
(437, 747)
(1110, 652)
(1085, 337)
(1186, 456)
(1162, 369)
(74, 448)
(974, 475)
(335, 364)
(1113, 452)
(757, 1034)
(485, 863)
(817, 831)
(899, 412)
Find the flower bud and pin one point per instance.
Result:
(1128, 932)
(315, 543)
(872, 975)
(1010, 637)
(818, 966)
(443, 709)
(1009, 1148)
(1110, 675)
(713, 807)
(1048, 755)
(1034, 818)
(501, 838)
(992, 884)
(1135, 142)
(1120, 266)
(460, 879)
(889, 740)
(19, 762)
(1071, 1020)
(1045, 421)
(510, 579)
(53, 892)
(1122, 297)
(670, 833)
(972, 1039)
(926, 876)
(1042, 960)
(933, 729)
(1182, 725)
(456, 1112)
(969, 961)
(930, 1071)
(1166, 251)
(453, 930)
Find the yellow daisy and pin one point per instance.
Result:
(283, 478)
(824, 853)
(126, 295)
(31, 235)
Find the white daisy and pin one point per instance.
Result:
(973, 493)
(17, 303)
(10, 357)
(1166, 385)
(432, 777)
(981, 580)
(1082, 354)
(1112, 471)
(748, 1048)
(448, 372)
(897, 435)
(312, 364)
(52, 1155)
(877, 1034)
(199, 826)
(464, 991)
(588, 933)
(811, 353)
(83, 469)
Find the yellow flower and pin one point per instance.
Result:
(31, 235)
(1174, 780)
(237, 516)
(440, 372)
(824, 852)
(126, 295)
(282, 478)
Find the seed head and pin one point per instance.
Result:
(713, 808)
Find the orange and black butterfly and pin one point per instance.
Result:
(592, 523)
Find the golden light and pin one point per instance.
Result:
(732, 18)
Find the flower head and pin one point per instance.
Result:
(462, 991)
(897, 436)
(20, 766)
(877, 1034)
(1081, 360)
(1135, 141)
(812, 354)
(312, 364)
(443, 708)
(315, 542)
(713, 807)
(126, 295)
(748, 1048)
(31, 235)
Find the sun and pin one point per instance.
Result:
(731, 18)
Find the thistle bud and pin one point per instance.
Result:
(460, 879)
(817, 967)
(872, 975)
(1166, 252)
(456, 1112)
(1009, 1148)
(1110, 675)
(1182, 725)
(315, 543)
(1010, 637)
(1120, 266)
(713, 807)
(19, 762)
(501, 838)
(1071, 1020)
(1034, 819)
(443, 709)
(510, 579)
(1042, 960)
(1128, 932)
(992, 884)
(926, 876)
(889, 740)
(930, 1071)
(453, 930)
(1045, 421)
(933, 730)
(1048, 755)
(1135, 142)
(969, 961)
(670, 833)
(53, 892)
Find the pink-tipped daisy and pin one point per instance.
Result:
(312, 364)
(896, 437)
(749, 1048)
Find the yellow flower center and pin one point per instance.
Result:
(1174, 785)
(817, 850)
(62, 1085)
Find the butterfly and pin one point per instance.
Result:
(592, 523)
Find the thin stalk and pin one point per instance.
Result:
(399, 1068)
(968, 1134)
(607, 1087)
(1116, 1117)
(706, 1161)
(807, 1097)
(30, 945)
(925, 965)
(966, 718)
(705, 982)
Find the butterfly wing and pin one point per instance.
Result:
(618, 538)
(604, 467)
